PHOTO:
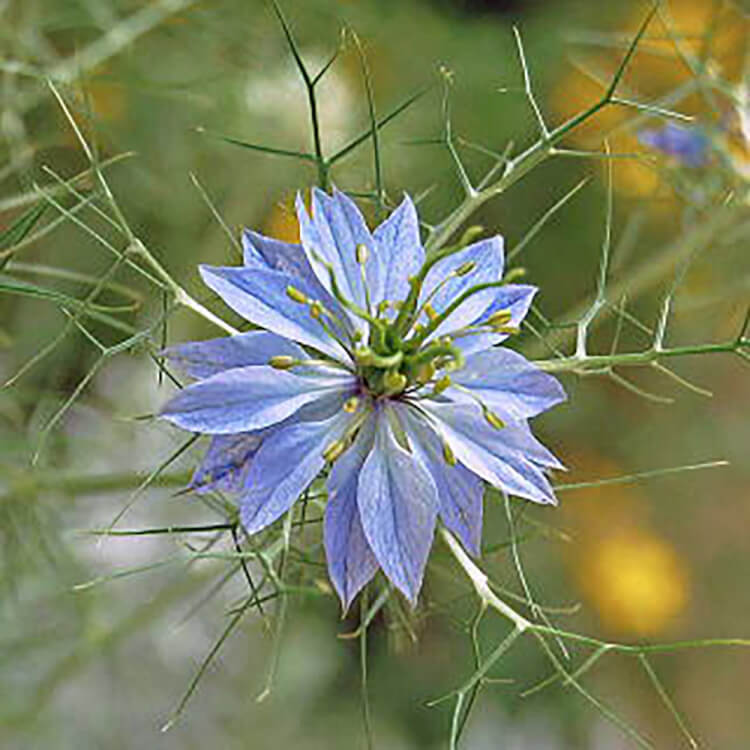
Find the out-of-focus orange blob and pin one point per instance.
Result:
(635, 580)
(628, 574)
(688, 29)
(281, 222)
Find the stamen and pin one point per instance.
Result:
(443, 384)
(394, 382)
(493, 419)
(500, 318)
(351, 405)
(448, 455)
(465, 268)
(430, 311)
(334, 450)
(282, 362)
(295, 294)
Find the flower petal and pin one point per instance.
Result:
(400, 248)
(489, 258)
(249, 398)
(331, 237)
(351, 562)
(287, 461)
(515, 298)
(226, 462)
(202, 359)
(510, 458)
(398, 506)
(261, 297)
(507, 383)
(460, 491)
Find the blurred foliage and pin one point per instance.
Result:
(152, 85)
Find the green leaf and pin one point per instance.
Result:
(19, 229)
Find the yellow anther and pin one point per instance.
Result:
(448, 455)
(513, 274)
(442, 384)
(430, 311)
(398, 305)
(351, 405)
(465, 268)
(394, 382)
(493, 419)
(362, 254)
(426, 373)
(316, 310)
(364, 356)
(293, 293)
(334, 450)
(500, 318)
(510, 330)
(383, 307)
(281, 362)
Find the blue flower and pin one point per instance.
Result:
(688, 146)
(378, 364)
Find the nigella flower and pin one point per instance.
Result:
(688, 146)
(381, 364)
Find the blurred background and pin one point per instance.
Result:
(155, 86)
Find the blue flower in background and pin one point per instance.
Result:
(380, 364)
(687, 145)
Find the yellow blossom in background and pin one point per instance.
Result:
(281, 222)
(636, 582)
(628, 574)
(686, 29)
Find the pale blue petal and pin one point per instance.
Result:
(227, 462)
(273, 255)
(201, 359)
(287, 461)
(460, 491)
(510, 459)
(488, 257)
(249, 398)
(507, 383)
(261, 297)
(400, 247)
(351, 562)
(398, 507)
(516, 298)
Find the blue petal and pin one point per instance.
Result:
(460, 491)
(688, 145)
(507, 383)
(249, 398)
(332, 236)
(400, 247)
(351, 562)
(227, 462)
(516, 298)
(287, 461)
(488, 257)
(510, 458)
(261, 297)
(398, 507)
(201, 359)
